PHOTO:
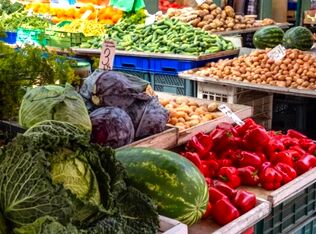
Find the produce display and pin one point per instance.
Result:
(8, 7)
(87, 27)
(295, 70)
(53, 181)
(185, 113)
(298, 38)
(174, 183)
(54, 102)
(247, 155)
(209, 17)
(268, 37)
(121, 108)
(164, 5)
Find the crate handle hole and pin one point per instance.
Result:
(128, 65)
(169, 69)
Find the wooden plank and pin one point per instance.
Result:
(82, 51)
(184, 135)
(252, 86)
(287, 191)
(171, 226)
(165, 140)
(239, 225)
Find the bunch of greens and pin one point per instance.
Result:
(53, 181)
(11, 22)
(6, 6)
(26, 67)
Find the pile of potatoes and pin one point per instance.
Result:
(212, 18)
(296, 70)
(185, 113)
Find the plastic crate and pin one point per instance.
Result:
(31, 36)
(131, 63)
(261, 102)
(173, 84)
(10, 38)
(285, 217)
(62, 39)
(142, 75)
(308, 227)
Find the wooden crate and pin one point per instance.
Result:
(287, 191)
(171, 226)
(238, 225)
(165, 140)
(185, 135)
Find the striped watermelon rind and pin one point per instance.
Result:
(298, 38)
(268, 37)
(175, 184)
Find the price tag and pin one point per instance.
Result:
(107, 55)
(200, 2)
(150, 20)
(277, 53)
(227, 111)
(86, 15)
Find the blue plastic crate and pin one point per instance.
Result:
(10, 38)
(131, 63)
(173, 84)
(291, 5)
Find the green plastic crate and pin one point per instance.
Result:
(31, 36)
(173, 84)
(289, 214)
(308, 227)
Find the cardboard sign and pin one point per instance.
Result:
(227, 111)
(277, 53)
(150, 20)
(107, 55)
(200, 2)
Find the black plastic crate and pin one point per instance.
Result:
(294, 112)
(173, 84)
(286, 216)
(308, 227)
(247, 40)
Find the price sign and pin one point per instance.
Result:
(86, 15)
(150, 20)
(277, 53)
(227, 111)
(107, 55)
(200, 2)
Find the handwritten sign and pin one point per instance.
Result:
(150, 20)
(277, 53)
(200, 2)
(227, 111)
(107, 55)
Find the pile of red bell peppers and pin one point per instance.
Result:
(164, 5)
(250, 155)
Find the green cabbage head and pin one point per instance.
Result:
(53, 102)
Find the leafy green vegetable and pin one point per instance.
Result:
(54, 102)
(90, 196)
(6, 6)
(3, 225)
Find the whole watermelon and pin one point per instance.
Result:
(268, 37)
(298, 38)
(174, 183)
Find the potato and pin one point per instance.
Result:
(229, 11)
(173, 121)
(183, 108)
(181, 114)
(212, 106)
(164, 102)
(204, 6)
(212, 7)
(181, 120)
(181, 100)
(195, 22)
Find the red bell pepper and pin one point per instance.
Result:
(210, 167)
(224, 212)
(201, 144)
(270, 178)
(215, 195)
(287, 172)
(295, 134)
(194, 158)
(288, 141)
(305, 144)
(274, 145)
(298, 149)
(286, 156)
(244, 201)
(248, 124)
(208, 211)
(230, 176)
(225, 163)
(209, 182)
(304, 164)
(227, 126)
(262, 156)
(225, 189)
(249, 176)
(249, 159)
(210, 156)
(312, 150)
(224, 140)
(256, 139)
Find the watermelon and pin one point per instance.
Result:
(298, 38)
(268, 37)
(174, 183)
